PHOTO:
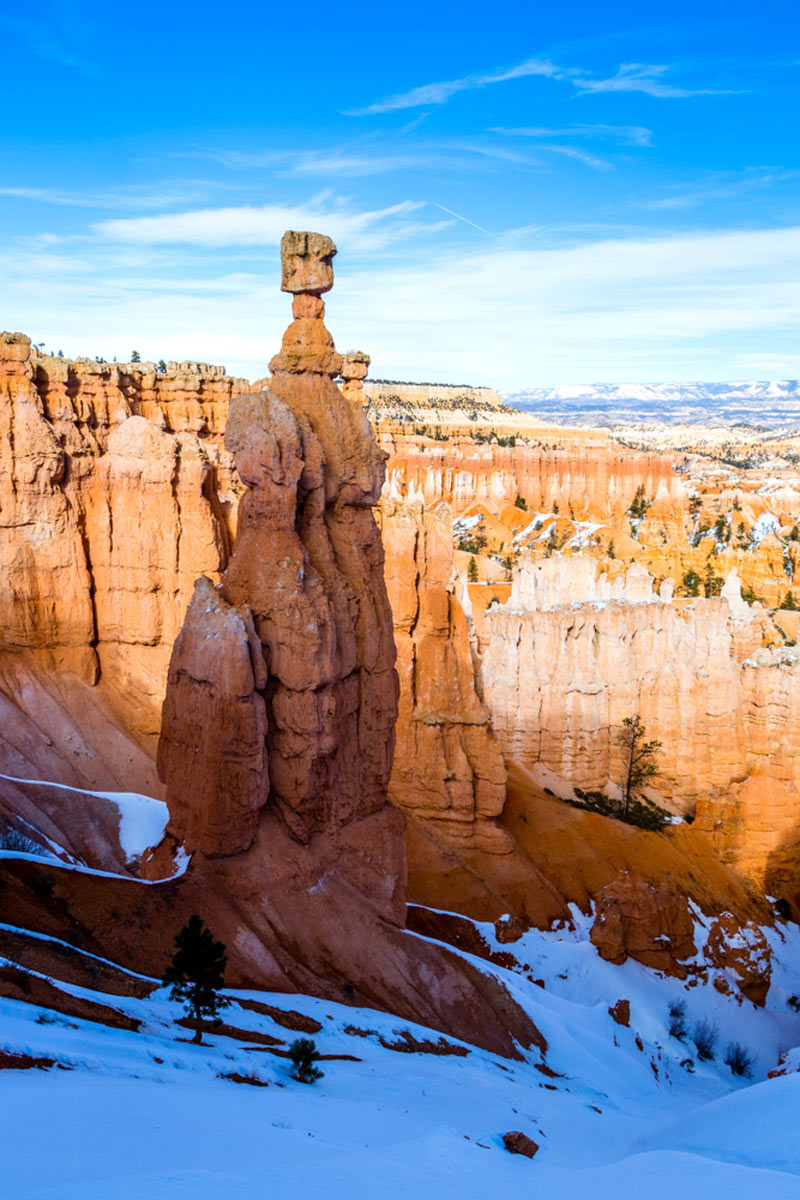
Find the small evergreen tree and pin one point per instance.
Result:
(197, 973)
(691, 581)
(472, 570)
(611, 551)
(162, 367)
(303, 1055)
(788, 602)
(639, 755)
(712, 584)
(521, 502)
(135, 356)
(638, 506)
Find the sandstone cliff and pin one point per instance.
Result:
(448, 769)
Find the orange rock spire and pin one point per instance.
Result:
(282, 687)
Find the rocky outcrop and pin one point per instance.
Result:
(656, 926)
(152, 522)
(354, 371)
(45, 597)
(739, 952)
(448, 769)
(651, 924)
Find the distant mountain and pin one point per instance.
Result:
(769, 404)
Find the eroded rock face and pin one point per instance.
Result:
(573, 652)
(152, 523)
(448, 769)
(111, 506)
(213, 752)
(45, 597)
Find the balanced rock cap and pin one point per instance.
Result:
(306, 262)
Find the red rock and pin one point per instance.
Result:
(519, 1143)
(743, 949)
(651, 924)
(621, 1012)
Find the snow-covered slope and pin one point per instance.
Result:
(617, 1112)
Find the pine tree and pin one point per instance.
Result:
(197, 973)
(639, 754)
(472, 570)
(692, 581)
(303, 1055)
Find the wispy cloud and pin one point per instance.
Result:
(366, 158)
(649, 78)
(643, 77)
(52, 32)
(720, 187)
(247, 225)
(440, 93)
(629, 135)
(148, 195)
(591, 160)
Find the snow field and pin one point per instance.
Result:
(121, 1125)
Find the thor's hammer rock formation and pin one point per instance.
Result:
(282, 687)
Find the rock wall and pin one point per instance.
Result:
(584, 480)
(448, 769)
(383, 392)
(107, 515)
(710, 678)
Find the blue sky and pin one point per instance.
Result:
(522, 194)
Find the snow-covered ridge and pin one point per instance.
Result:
(762, 404)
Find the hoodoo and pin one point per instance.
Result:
(296, 651)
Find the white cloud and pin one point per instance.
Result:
(148, 195)
(642, 77)
(630, 77)
(688, 306)
(264, 226)
(440, 93)
(630, 135)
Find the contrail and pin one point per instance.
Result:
(460, 218)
